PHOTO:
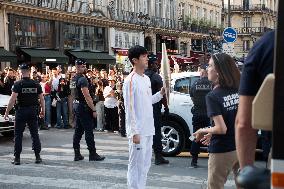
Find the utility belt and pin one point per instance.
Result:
(18, 107)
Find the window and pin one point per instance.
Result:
(183, 48)
(217, 18)
(211, 16)
(85, 37)
(190, 11)
(181, 6)
(182, 86)
(204, 14)
(158, 8)
(198, 12)
(247, 21)
(246, 45)
(31, 32)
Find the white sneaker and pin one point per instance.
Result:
(49, 125)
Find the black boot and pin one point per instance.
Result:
(194, 161)
(38, 158)
(159, 159)
(16, 160)
(93, 156)
(78, 155)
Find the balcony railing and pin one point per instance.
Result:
(90, 9)
(251, 7)
(158, 22)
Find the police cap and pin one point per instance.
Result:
(152, 58)
(80, 61)
(24, 67)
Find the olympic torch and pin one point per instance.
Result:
(165, 71)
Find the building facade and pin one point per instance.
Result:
(251, 19)
(111, 26)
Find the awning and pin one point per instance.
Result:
(94, 57)
(7, 56)
(45, 55)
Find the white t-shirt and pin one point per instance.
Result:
(110, 102)
(138, 101)
(55, 83)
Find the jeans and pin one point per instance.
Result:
(100, 115)
(62, 110)
(47, 120)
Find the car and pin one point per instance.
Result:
(177, 126)
(6, 126)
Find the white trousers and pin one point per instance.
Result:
(139, 162)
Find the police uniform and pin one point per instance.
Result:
(83, 116)
(27, 104)
(200, 119)
(156, 85)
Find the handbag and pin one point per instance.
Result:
(54, 102)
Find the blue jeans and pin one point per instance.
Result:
(62, 111)
(47, 120)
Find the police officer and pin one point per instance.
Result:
(85, 111)
(200, 119)
(156, 85)
(25, 93)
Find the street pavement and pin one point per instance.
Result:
(58, 169)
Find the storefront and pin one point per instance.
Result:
(171, 44)
(42, 42)
(120, 42)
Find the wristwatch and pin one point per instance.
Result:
(94, 111)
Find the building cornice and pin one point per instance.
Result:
(75, 18)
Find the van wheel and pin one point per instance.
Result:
(172, 138)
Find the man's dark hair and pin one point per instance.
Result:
(229, 74)
(54, 69)
(136, 52)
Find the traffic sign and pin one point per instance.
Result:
(229, 48)
(230, 35)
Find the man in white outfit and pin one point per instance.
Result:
(140, 128)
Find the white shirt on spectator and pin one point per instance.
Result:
(42, 84)
(55, 83)
(138, 100)
(110, 102)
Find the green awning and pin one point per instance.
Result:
(7, 56)
(46, 55)
(94, 57)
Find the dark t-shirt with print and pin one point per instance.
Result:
(258, 64)
(223, 102)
